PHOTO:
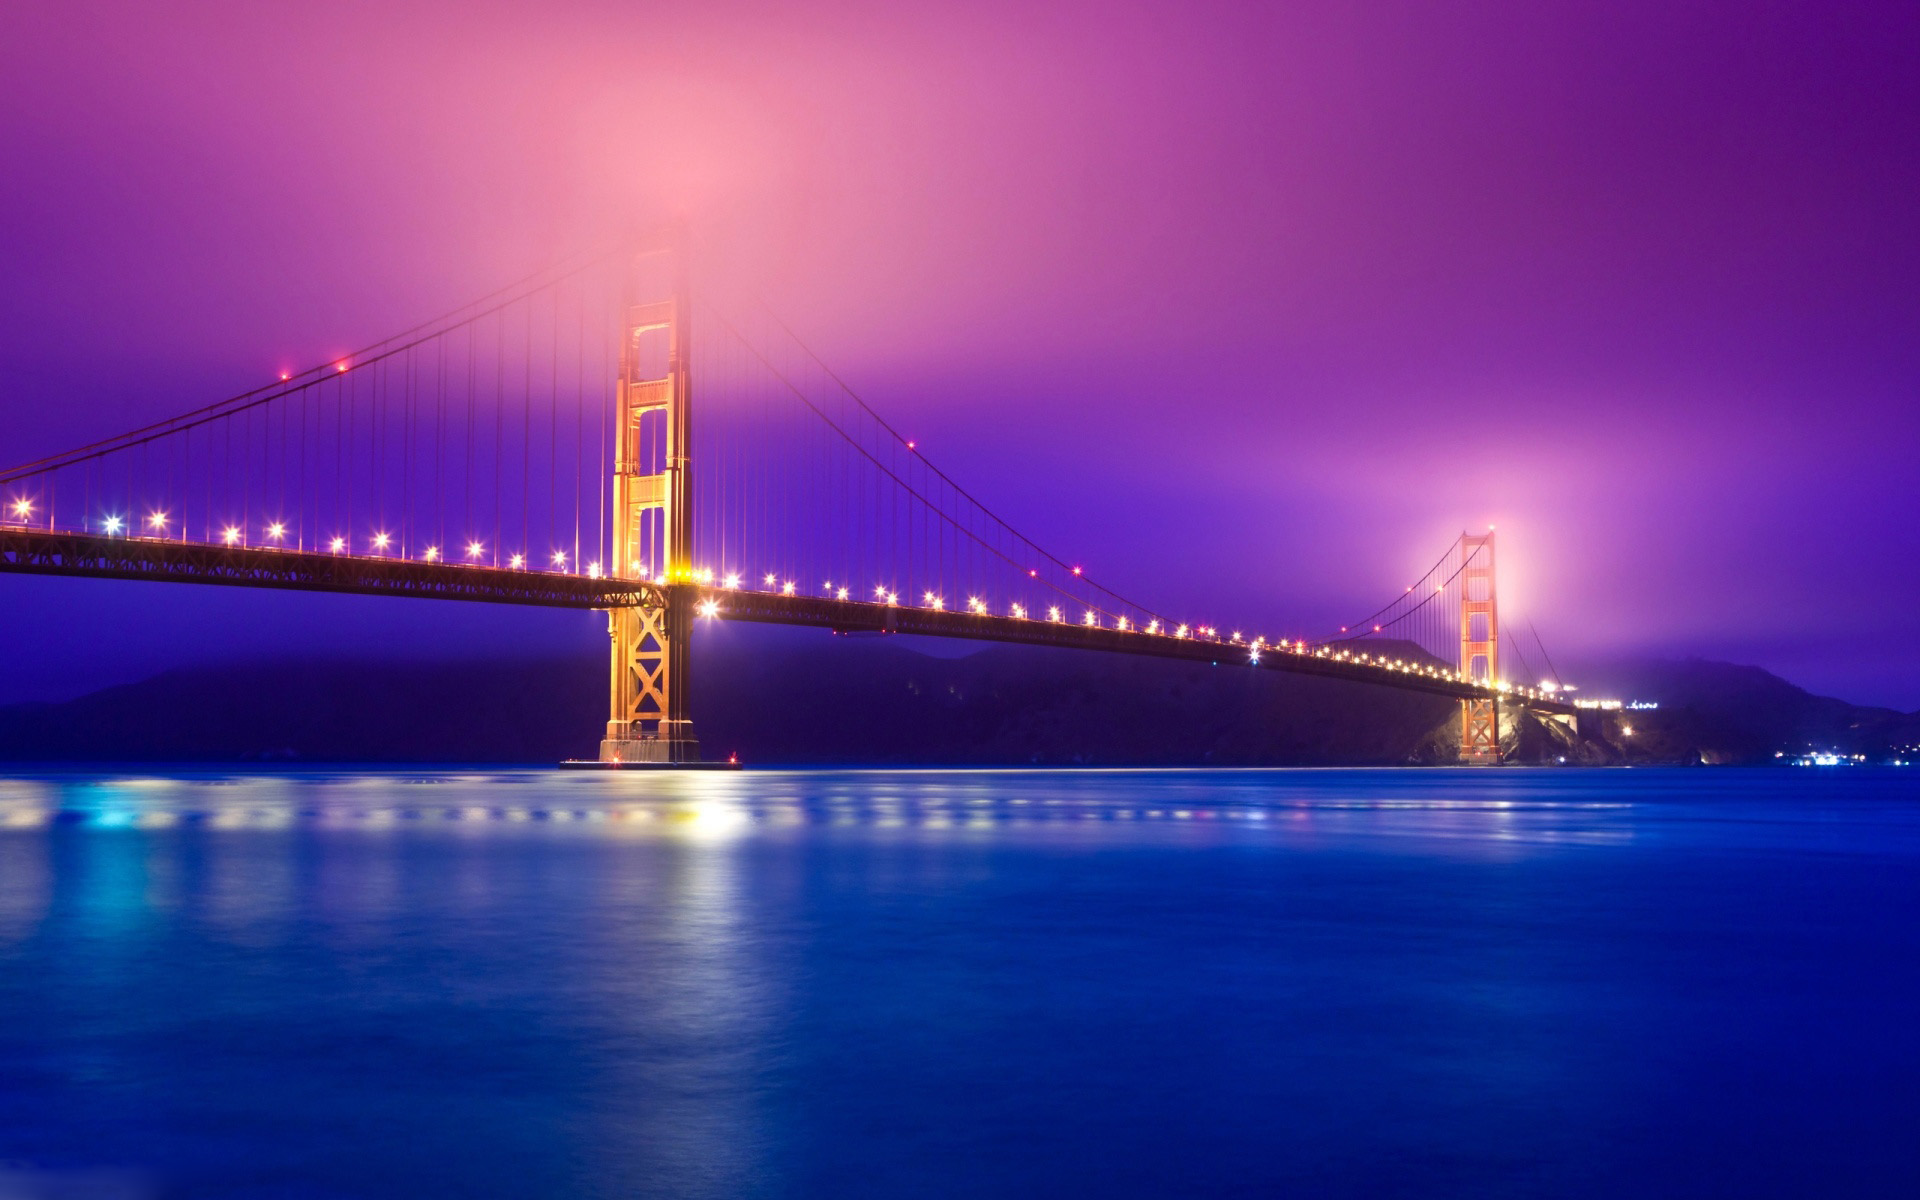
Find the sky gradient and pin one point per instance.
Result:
(1249, 308)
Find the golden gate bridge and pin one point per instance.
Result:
(538, 447)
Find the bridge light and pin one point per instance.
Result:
(560, 558)
(285, 375)
(893, 598)
(1253, 656)
(340, 366)
(593, 570)
(517, 561)
(841, 594)
(474, 549)
(1376, 629)
(934, 602)
(23, 507)
(910, 445)
(771, 579)
(977, 605)
(1180, 632)
(708, 608)
(431, 554)
(1032, 574)
(786, 589)
(158, 521)
(230, 535)
(1019, 612)
(1076, 570)
(382, 540)
(1153, 626)
(879, 591)
(277, 530)
(1120, 623)
(732, 581)
(112, 524)
(1090, 619)
(337, 544)
(1053, 612)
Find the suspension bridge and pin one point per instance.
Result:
(538, 447)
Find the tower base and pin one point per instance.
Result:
(673, 743)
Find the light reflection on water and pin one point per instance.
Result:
(718, 805)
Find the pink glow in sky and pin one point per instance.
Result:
(1254, 306)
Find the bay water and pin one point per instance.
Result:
(488, 983)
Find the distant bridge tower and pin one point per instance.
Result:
(653, 527)
(1479, 649)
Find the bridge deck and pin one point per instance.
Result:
(45, 552)
(859, 616)
(41, 552)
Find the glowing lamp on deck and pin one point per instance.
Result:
(1089, 620)
(1053, 612)
(559, 558)
(709, 608)
(771, 579)
(381, 541)
(593, 570)
(1020, 612)
(732, 581)
(337, 545)
(277, 530)
(475, 549)
(431, 554)
(517, 561)
(23, 508)
(786, 589)
(157, 521)
(841, 594)
(112, 524)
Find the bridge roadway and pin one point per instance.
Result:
(44, 552)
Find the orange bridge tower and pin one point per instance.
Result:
(653, 526)
(1479, 649)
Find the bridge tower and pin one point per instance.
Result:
(649, 720)
(1479, 649)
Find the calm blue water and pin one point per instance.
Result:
(1356, 983)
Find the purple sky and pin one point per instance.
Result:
(1251, 309)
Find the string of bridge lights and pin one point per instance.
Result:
(381, 543)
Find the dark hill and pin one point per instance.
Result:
(773, 697)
